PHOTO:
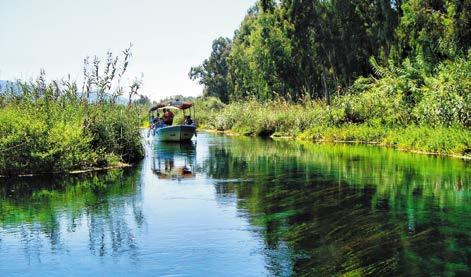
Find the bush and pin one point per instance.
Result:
(114, 132)
(58, 136)
(52, 127)
(442, 140)
(407, 108)
(447, 96)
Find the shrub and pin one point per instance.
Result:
(454, 140)
(375, 102)
(393, 110)
(62, 136)
(447, 96)
(114, 130)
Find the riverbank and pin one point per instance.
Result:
(76, 172)
(67, 136)
(453, 142)
(317, 122)
(55, 127)
(390, 139)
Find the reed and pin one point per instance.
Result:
(52, 126)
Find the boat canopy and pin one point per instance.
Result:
(175, 104)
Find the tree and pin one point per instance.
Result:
(434, 30)
(260, 60)
(212, 74)
(333, 40)
(298, 48)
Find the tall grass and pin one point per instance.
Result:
(316, 121)
(53, 127)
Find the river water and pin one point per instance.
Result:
(236, 206)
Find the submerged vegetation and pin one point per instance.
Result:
(343, 210)
(53, 126)
(327, 210)
(397, 73)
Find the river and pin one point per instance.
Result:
(237, 206)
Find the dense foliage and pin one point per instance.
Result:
(318, 122)
(334, 70)
(314, 48)
(53, 127)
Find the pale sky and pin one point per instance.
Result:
(169, 36)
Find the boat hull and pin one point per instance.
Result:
(175, 133)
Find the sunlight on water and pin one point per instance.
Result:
(244, 207)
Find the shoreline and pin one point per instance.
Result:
(366, 143)
(232, 133)
(73, 172)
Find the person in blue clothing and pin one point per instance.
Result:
(152, 118)
(158, 122)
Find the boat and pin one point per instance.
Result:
(169, 132)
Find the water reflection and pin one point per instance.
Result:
(176, 161)
(41, 213)
(245, 207)
(330, 210)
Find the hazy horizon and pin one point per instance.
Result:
(168, 38)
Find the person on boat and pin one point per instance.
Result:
(155, 120)
(159, 121)
(168, 117)
(153, 123)
(188, 120)
(152, 118)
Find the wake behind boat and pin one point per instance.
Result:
(162, 128)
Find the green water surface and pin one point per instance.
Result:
(230, 206)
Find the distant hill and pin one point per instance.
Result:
(120, 100)
(8, 84)
(4, 84)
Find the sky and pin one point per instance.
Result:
(168, 37)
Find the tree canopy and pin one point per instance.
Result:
(213, 72)
(296, 49)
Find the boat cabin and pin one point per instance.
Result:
(161, 119)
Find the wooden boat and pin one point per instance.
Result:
(174, 133)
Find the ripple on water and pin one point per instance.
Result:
(244, 207)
